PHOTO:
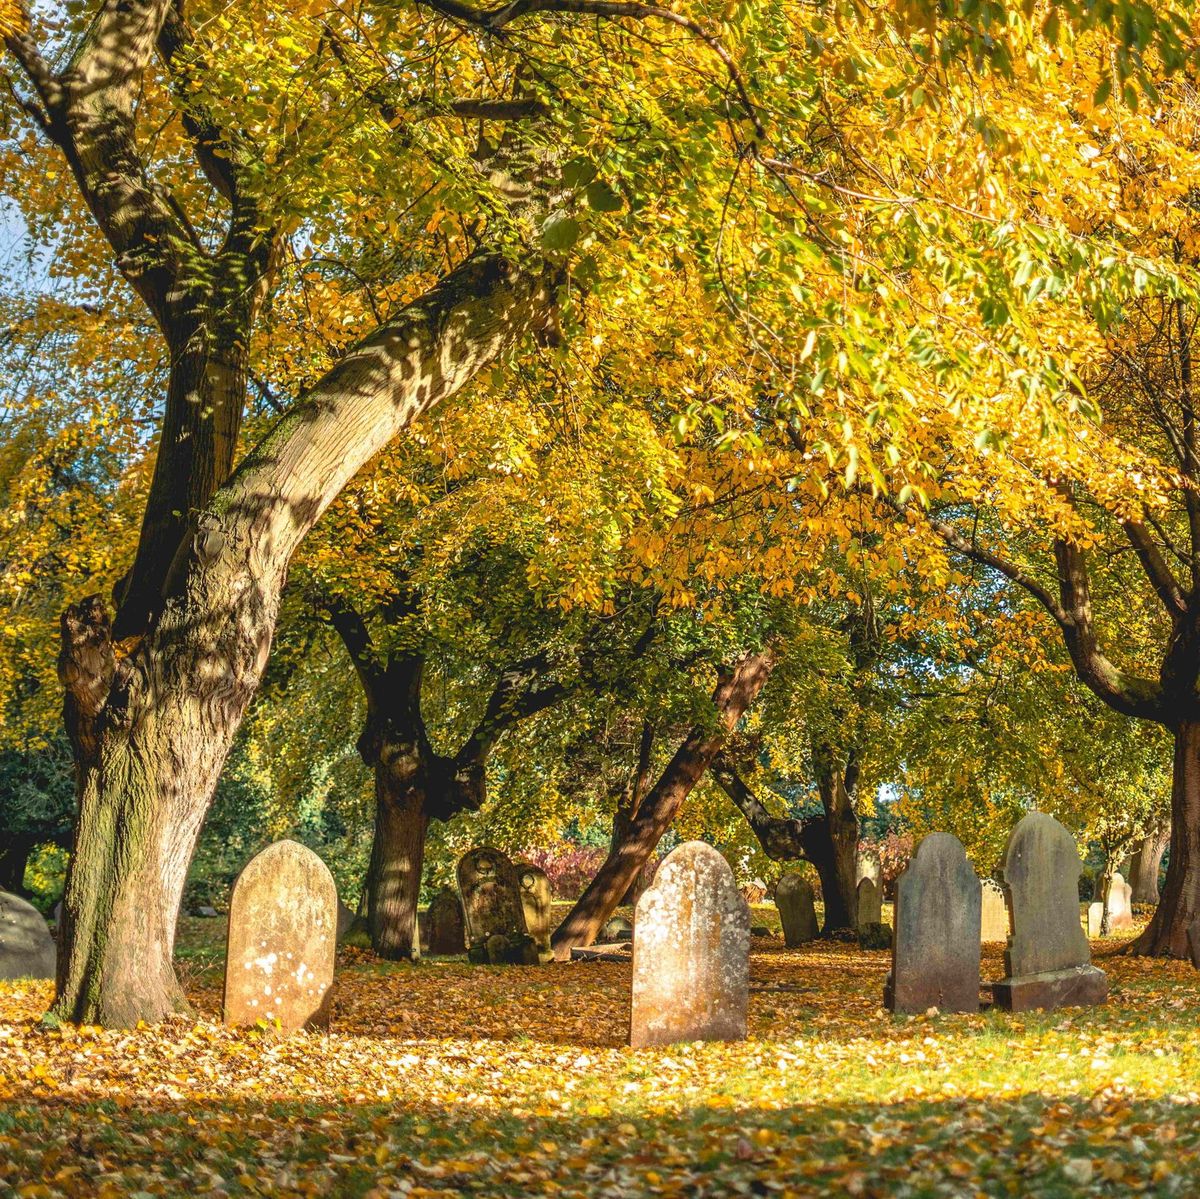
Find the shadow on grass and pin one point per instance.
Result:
(1028, 1146)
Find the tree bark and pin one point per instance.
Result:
(152, 730)
(397, 857)
(837, 785)
(1146, 864)
(785, 839)
(735, 691)
(1166, 935)
(628, 803)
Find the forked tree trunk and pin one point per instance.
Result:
(1147, 863)
(151, 730)
(734, 693)
(1166, 935)
(148, 759)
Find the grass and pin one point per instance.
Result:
(443, 1079)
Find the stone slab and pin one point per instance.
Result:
(936, 945)
(795, 901)
(1082, 986)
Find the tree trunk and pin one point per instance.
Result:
(150, 735)
(397, 862)
(151, 731)
(1147, 862)
(628, 803)
(1166, 935)
(735, 692)
(836, 785)
(13, 858)
(1103, 887)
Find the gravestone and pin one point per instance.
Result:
(1120, 903)
(1048, 958)
(446, 931)
(936, 947)
(691, 952)
(345, 918)
(794, 899)
(1095, 917)
(492, 908)
(870, 903)
(866, 865)
(616, 929)
(993, 916)
(26, 946)
(282, 939)
(1193, 939)
(535, 900)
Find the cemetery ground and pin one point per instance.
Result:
(443, 1079)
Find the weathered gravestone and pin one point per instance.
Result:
(26, 946)
(535, 900)
(691, 952)
(870, 903)
(938, 913)
(1048, 958)
(794, 899)
(345, 919)
(1095, 919)
(1193, 939)
(993, 915)
(866, 865)
(495, 916)
(1120, 903)
(447, 934)
(282, 939)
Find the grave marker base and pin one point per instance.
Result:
(1081, 986)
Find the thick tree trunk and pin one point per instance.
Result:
(150, 735)
(1166, 935)
(1146, 864)
(397, 862)
(836, 784)
(734, 693)
(152, 730)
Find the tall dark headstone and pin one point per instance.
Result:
(797, 912)
(447, 934)
(1048, 958)
(936, 946)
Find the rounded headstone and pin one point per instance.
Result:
(691, 952)
(1048, 956)
(26, 946)
(446, 932)
(536, 903)
(282, 939)
(491, 896)
(870, 902)
(993, 918)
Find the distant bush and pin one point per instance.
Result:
(571, 868)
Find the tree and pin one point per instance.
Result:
(214, 154)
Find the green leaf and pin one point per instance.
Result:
(602, 197)
(559, 231)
